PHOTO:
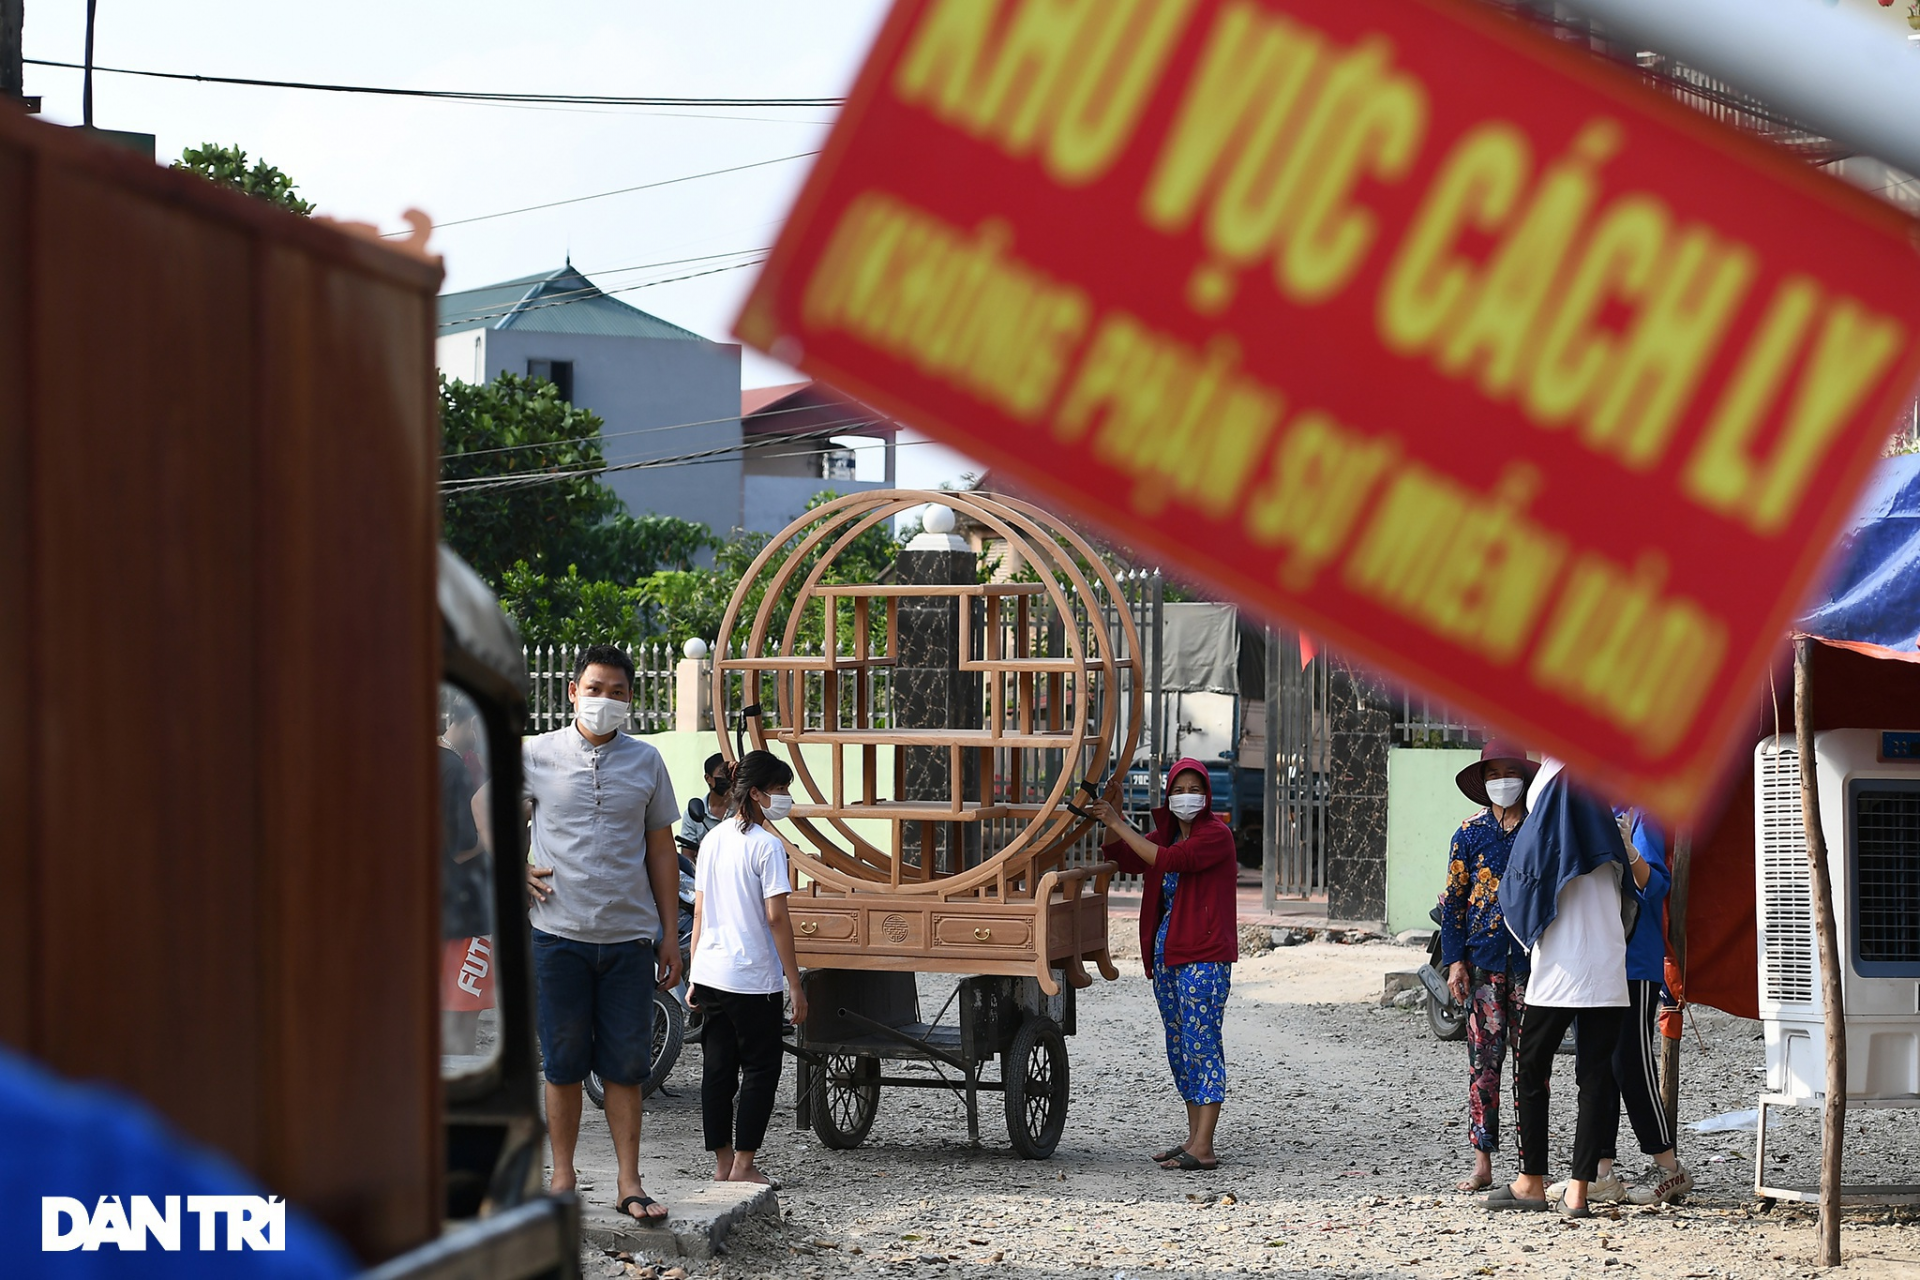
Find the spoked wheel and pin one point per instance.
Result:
(669, 1033)
(846, 1096)
(1034, 1079)
(1447, 1022)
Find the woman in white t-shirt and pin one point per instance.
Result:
(743, 962)
(1578, 980)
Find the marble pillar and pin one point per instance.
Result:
(930, 692)
(1360, 729)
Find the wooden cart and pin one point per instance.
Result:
(980, 880)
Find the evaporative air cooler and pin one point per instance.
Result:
(1869, 782)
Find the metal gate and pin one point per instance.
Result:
(1294, 835)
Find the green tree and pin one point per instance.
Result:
(569, 610)
(625, 548)
(680, 604)
(536, 460)
(228, 167)
(544, 455)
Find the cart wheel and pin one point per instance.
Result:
(846, 1096)
(1034, 1082)
(1446, 1022)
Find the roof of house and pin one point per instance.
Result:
(754, 399)
(558, 301)
(796, 407)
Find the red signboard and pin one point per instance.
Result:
(1477, 357)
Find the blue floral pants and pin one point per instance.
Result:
(1193, 1000)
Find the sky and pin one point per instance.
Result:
(367, 158)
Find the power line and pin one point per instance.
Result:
(676, 262)
(864, 420)
(454, 95)
(549, 475)
(602, 195)
(529, 479)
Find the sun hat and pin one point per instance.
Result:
(1472, 780)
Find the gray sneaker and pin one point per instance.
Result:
(1599, 1191)
(1670, 1189)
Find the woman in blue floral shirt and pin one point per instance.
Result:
(1486, 968)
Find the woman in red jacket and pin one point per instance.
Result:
(1188, 940)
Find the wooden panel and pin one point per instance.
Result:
(143, 554)
(815, 926)
(218, 664)
(346, 588)
(18, 867)
(997, 932)
(897, 927)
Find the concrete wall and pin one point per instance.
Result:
(637, 385)
(1424, 808)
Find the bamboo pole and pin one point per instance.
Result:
(1833, 1123)
(1681, 872)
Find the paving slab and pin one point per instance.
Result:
(703, 1214)
(676, 1171)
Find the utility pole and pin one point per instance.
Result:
(86, 85)
(12, 19)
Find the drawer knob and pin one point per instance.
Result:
(982, 935)
(809, 927)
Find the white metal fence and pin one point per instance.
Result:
(550, 667)
(1421, 722)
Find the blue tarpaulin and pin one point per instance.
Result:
(1874, 595)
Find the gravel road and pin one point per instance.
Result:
(1342, 1136)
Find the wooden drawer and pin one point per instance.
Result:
(811, 924)
(982, 931)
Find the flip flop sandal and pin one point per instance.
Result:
(1168, 1154)
(1473, 1184)
(1185, 1162)
(1502, 1198)
(643, 1218)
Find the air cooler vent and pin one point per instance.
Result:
(1886, 873)
(1786, 883)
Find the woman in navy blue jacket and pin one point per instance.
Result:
(1636, 1065)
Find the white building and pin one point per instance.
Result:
(662, 391)
(801, 439)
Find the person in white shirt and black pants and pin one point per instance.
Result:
(1561, 897)
(743, 962)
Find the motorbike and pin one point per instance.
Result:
(675, 1023)
(1446, 1017)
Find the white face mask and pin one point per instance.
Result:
(1506, 792)
(1187, 806)
(777, 807)
(599, 715)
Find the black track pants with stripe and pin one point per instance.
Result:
(1636, 1076)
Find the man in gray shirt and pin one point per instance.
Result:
(601, 861)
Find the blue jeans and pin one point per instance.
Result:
(596, 1008)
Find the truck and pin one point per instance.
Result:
(1210, 707)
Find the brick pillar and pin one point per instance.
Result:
(929, 692)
